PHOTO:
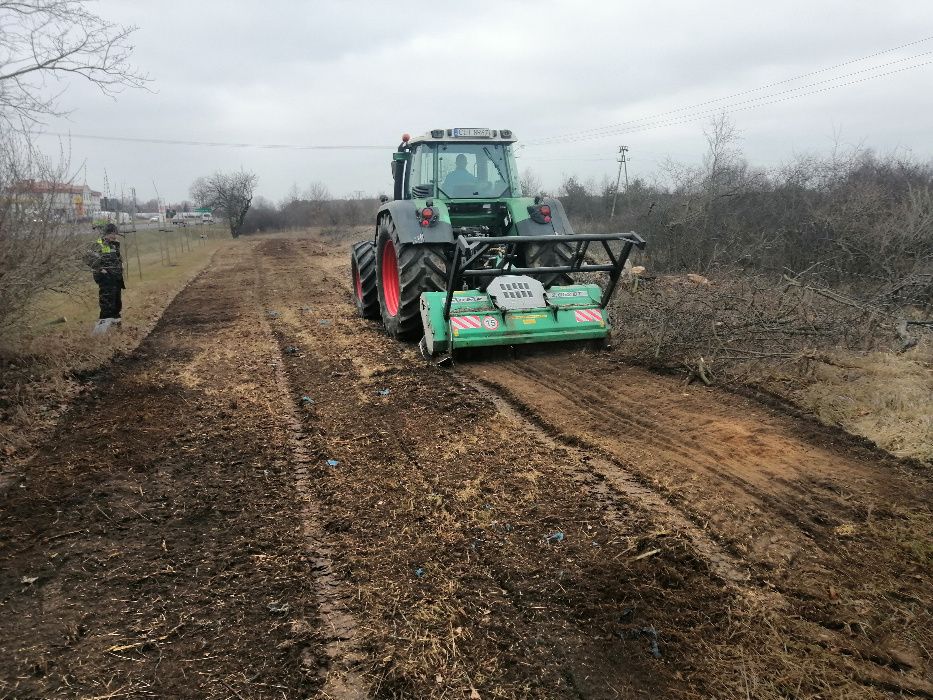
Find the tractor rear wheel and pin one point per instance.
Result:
(363, 265)
(542, 255)
(404, 270)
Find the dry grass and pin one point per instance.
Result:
(883, 396)
(42, 357)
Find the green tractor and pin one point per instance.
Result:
(461, 259)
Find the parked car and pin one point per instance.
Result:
(153, 218)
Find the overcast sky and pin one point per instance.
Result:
(361, 73)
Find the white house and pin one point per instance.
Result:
(67, 201)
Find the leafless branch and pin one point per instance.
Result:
(44, 42)
(39, 249)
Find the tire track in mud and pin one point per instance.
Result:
(598, 402)
(789, 495)
(722, 559)
(162, 522)
(617, 478)
(541, 611)
(674, 462)
(341, 678)
(807, 635)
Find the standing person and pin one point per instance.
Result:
(108, 273)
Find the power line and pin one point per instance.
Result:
(605, 131)
(630, 126)
(562, 137)
(536, 159)
(215, 144)
(728, 109)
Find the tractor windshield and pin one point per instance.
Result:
(464, 170)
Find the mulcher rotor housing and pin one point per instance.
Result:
(461, 259)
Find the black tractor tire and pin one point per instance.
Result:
(542, 255)
(363, 266)
(403, 271)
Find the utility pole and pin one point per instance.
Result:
(139, 265)
(164, 254)
(107, 189)
(622, 164)
(122, 229)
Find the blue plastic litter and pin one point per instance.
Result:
(652, 635)
(648, 632)
(332, 462)
(556, 536)
(419, 572)
(383, 392)
(306, 399)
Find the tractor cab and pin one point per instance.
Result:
(452, 164)
(472, 171)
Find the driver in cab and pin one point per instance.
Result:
(460, 178)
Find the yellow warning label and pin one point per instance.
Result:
(529, 321)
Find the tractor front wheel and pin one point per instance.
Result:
(404, 270)
(363, 266)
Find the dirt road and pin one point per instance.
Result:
(272, 499)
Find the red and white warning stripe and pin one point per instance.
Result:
(465, 322)
(588, 315)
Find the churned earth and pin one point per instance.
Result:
(271, 498)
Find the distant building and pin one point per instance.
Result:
(64, 200)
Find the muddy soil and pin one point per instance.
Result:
(154, 547)
(834, 534)
(273, 499)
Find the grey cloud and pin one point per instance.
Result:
(363, 72)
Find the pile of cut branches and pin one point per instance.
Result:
(737, 327)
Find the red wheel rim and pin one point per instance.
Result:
(390, 281)
(357, 282)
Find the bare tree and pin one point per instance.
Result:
(54, 39)
(229, 193)
(319, 210)
(317, 192)
(39, 247)
(293, 195)
(531, 183)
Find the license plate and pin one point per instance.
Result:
(472, 133)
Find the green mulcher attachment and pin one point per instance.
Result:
(506, 304)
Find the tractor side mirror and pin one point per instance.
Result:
(383, 198)
(397, 158)
(398, 171)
